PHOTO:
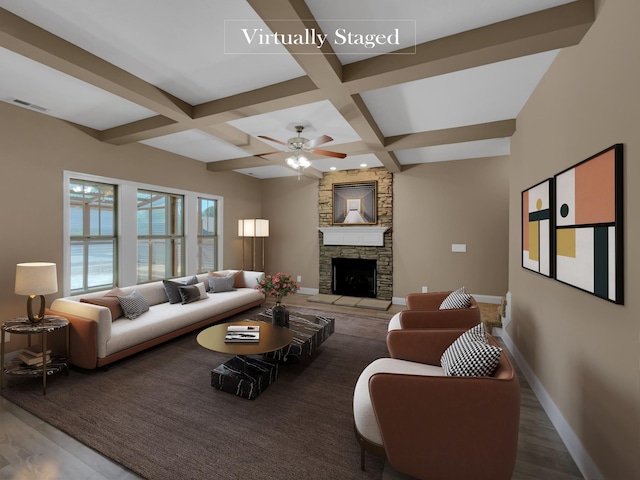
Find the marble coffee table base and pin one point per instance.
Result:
(309, 332)
(232, 377)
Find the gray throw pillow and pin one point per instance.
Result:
(171, 288)
(133, 305)
(221, 284)
(189, 293)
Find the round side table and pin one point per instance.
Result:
(22, 326)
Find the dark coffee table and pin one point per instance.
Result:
(309, 332)
(245, 375)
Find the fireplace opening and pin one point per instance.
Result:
(354, 277)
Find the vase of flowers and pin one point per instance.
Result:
(279, 286)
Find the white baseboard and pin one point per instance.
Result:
(576, 449)
(398, 301)
(308, 291)
(487, 298)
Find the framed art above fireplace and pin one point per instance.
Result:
(355, 203)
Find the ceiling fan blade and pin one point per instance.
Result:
(273, 140)
(327, 153)
(267, 153)
(318, 141)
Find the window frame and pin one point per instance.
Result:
(86, 238)
(174, 234)
(126, 269)
(214, 236)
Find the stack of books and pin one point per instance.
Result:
(33, 356)
(242, 334)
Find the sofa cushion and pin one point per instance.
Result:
(109, 300)
(171, 288)
(192, 293)
(456, 299)
(221, 284)
(238, 277)
(471, 355)
(133, 305)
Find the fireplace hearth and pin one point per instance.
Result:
(354, 277)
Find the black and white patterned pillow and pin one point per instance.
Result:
(133, 305)
(456, 299)
(470, 355)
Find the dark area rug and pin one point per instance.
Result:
(157, 414)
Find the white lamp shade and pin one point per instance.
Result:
(246, 227)
(262, 227)
(253, 227)
(37, 278)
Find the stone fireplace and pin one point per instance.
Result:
(372, 244)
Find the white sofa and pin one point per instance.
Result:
(97, 340)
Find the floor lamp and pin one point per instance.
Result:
(253, 227)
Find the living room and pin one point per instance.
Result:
(579, 352)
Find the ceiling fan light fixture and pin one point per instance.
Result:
(299, 162)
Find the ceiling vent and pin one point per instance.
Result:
(23, 103)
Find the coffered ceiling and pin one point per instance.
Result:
(191, 76)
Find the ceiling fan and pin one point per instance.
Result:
(300, 145)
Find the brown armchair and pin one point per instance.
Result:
(434, 426)
(423, 311)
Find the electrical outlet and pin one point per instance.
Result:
(299, 278)
(425, 290)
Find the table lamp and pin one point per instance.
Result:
(36, 278)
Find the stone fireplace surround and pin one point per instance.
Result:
(372, 242)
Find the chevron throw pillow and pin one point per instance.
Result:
(471, 355)
(133, 305)
(456, 299)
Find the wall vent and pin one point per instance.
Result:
(26, 104)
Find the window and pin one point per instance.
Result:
(160, 235)
(207, 234)
(93, 235)
(120, 232)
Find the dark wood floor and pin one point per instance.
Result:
(32, 449)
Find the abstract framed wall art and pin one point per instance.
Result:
(355, 203)
(588, 231)
(537, 228)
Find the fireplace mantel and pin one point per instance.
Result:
(351, 235)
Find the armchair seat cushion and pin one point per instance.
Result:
(394, 323)
(363, 412)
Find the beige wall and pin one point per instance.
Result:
(35, 150)
(437, 204)
(291, 205)
(584, 350)
(464, 201)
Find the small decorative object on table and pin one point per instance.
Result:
(242, 334)
(278, 285)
